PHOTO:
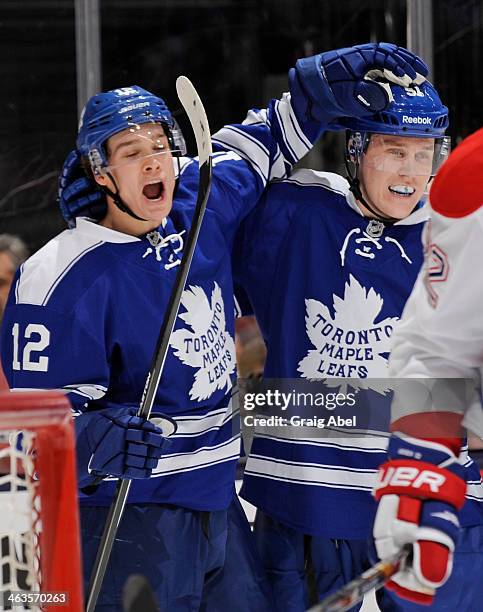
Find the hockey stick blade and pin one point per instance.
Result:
(353, 592)
(199, 122)
(197, 116)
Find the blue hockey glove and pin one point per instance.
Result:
(78, 195)
(420, 491)
(342, 83)
(115, 442)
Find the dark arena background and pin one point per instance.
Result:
(236, 52)
(57, 53)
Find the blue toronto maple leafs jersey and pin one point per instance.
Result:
(327, 286)
(85, 312)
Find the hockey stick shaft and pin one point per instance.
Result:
(353, 592)
(197, 116)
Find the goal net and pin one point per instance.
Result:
(39, 524)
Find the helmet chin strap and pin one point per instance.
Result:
(119, 202)
(355, 189)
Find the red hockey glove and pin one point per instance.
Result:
(420, 489)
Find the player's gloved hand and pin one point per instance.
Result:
(115, 442)
(78, 195)
(420, 490)
(342, 83)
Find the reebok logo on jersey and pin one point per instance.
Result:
(405, 476)
(417, 120)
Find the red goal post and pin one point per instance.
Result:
(39, 518)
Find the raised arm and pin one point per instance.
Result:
(324, 88)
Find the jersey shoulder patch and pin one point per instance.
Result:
(457, 188)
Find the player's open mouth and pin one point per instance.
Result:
(153, 191)
(402, 190)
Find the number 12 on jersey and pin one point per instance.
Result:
(39, 339)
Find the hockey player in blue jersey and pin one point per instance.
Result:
(327, 265)
(85, 312)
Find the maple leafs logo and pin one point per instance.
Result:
(207, 345)
(348, 344)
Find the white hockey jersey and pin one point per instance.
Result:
(441, 331)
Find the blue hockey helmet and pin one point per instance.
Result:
(412, 111)
(106, 114)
